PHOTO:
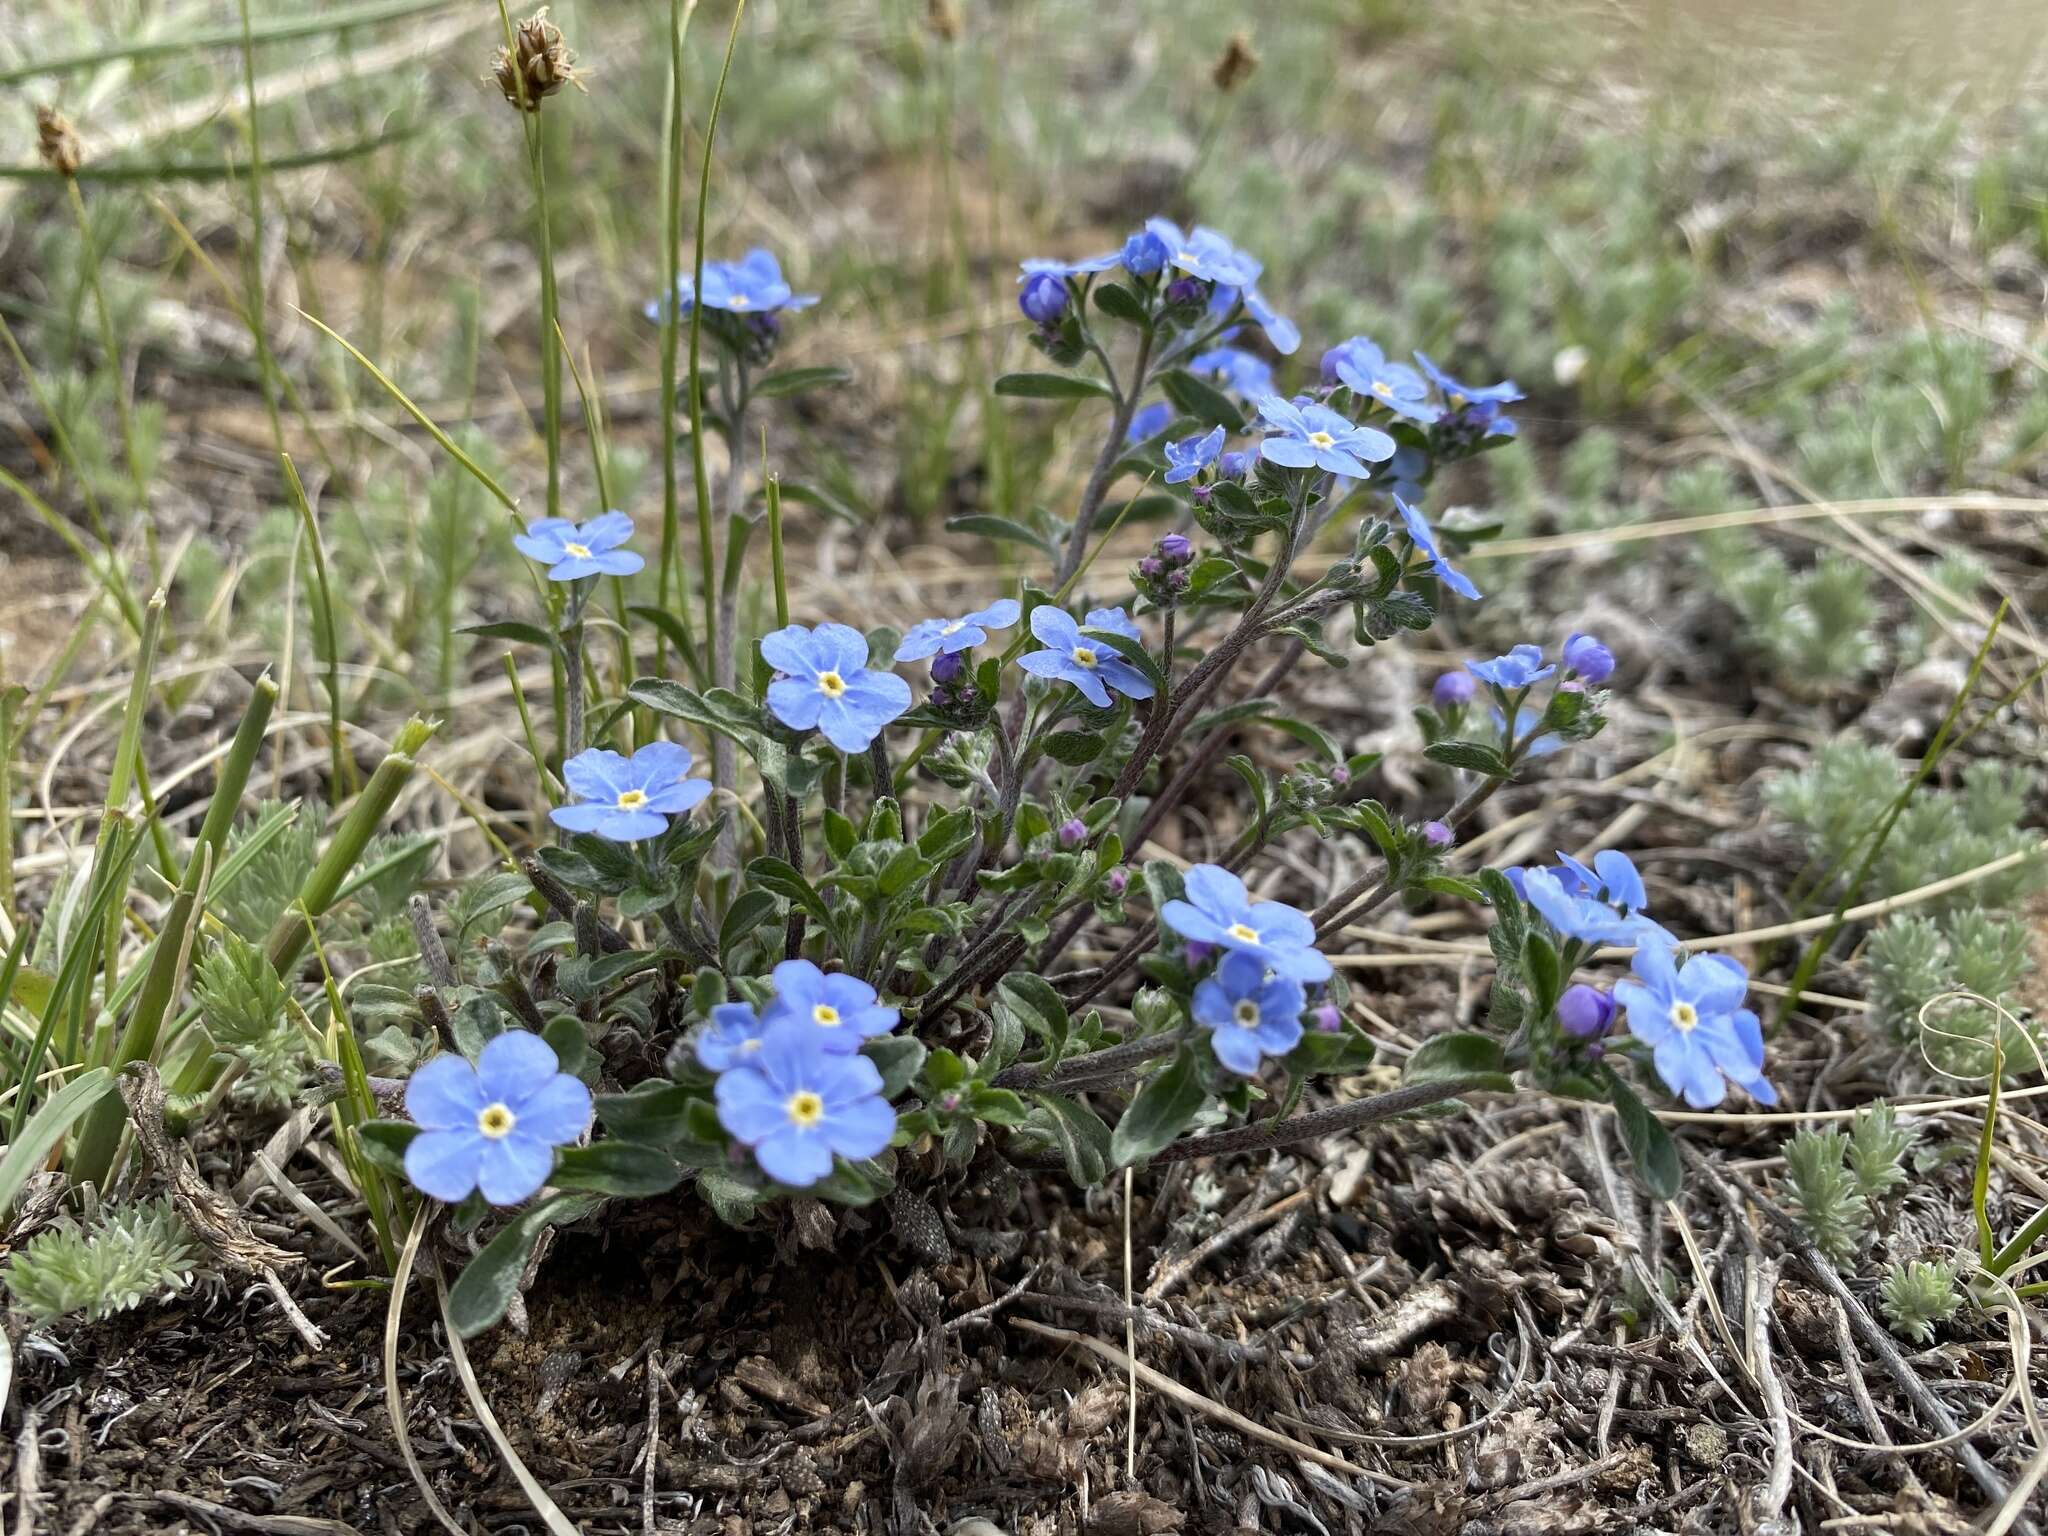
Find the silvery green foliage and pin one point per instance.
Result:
(1917, 1295)
(242, 1004)
(1816, 626)
(1878, 1144)
(277, 871)
(118, 1260)
(1834, 1211)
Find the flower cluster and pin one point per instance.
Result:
(792, 1087)
(492, 1128)
(1252, 1003)
(1162, 576)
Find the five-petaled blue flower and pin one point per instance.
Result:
(732, 1036)
(1191, 455)
(1040, 266)
(1612, 877)
(930, 637)
(1361, 367)
(1693, 1020)
(1585, 655)
(797, 1105)
(1249, 1015)
(1143, 254)
(753, 285)
(572, 552)
(1458, 394)
(1517, 669)
(842, 1009)
(1245, 374)
(1424, 538)
(1150, 421)
(1210, 256)
(828, 686)
(1071, 656)
(1583, 916)
(494, 1126)
(1218, 910)
(626, 799)
(1316, 437)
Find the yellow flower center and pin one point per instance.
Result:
(1247, 1014)
(1084, 656)
(831, 684)
(1454, 397)
(1184, 256)
(739, 301)
(1684, 1016)
(825, 1014)
(749, 1046)
(1243, 933)
(495, 1121)
(805, 1109)
(954, 628)
(580, 551)
(1383, 389)
(1322, 440)
(632, 799)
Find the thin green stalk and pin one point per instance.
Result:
(679, 13)
(1809, 962)
(540, 760)
(700, 473)
(11, 696)
(593, 426)
(252, 255)
(108, 345)
(288, 938)
(341, 775)
(115, 810)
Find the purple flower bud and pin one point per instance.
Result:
(1044, 298)
(1327, 1018)
(1453, 688)
(1585, 1012)
(950, 1102)
(1118, 880)
(1234, 465)
(1178, 581)
(1340, 776)
(1175, 547)
(1327, 369)
(765, 326)
(1187, 290)
(1143, 254)
(1199, 950)
(1438, 834)
(1586, 656)
(948, 665)
(1151, 566)
(1073, 831)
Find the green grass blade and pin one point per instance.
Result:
(151, 171)
(34, 1141)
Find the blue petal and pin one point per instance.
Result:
(444, 1163)
(841, 647)
(860, 1129)
(597, 774)
(584, 816)
(557, 1112)
(514, 1064)
(1289, 452)
(796, 702)
(1237, 1049)
(608, 530)
(1301, 964)
(794, 1156)
(1212, 1004)
(443, 1094)
(1190, 922)
(1242, 974)
(1055, 626)
(631, 826)
(789, 650)
(749, 1107)
(922, 639)
(1000, 614)
(513, 1168)
(1218, 892)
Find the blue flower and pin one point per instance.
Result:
(1586, 656)
(1243, 373)
(1404, 472)
(1248, 1014)
(1316, 437)
(1613, 877)
(494, 1126)
(797, 1105)
(1424, 538)
(930, 637)
(841, 1009)
(1044, 298)
(1191, 455)
(1070, 657)
(1149, 422)
(1143, 254)
(1693, 1020)
(1234, 465)
(1457, 394)
(1518, 669)
(1361, 367)
(829, 687)
(1218, 910)
(625, 799)
(571, 552)
(1578, 916)
(1040, 266)
(1209, 256)
(732, 1036)
(1113, 620)
(753, 285)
